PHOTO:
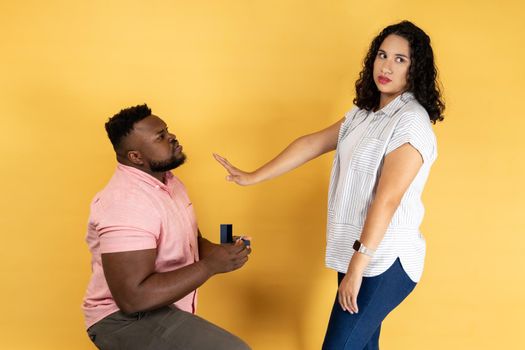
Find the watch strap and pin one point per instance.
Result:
(361, 248)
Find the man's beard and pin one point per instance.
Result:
(166, 165)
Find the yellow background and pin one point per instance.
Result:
(244, 78)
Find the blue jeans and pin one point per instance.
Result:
(377, 297)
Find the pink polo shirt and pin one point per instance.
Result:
(135, 211)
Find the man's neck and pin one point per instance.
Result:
(161, 176)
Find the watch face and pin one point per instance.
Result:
(357, 245)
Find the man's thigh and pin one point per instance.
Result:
(162, 329)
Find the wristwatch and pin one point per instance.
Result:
(360, 248)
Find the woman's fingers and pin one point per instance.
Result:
(233, 178)
(234, 174)
(227, 165)
(340, 298)
(347, 298)
(353, 302)
(222, 161)
(346, 303)
(218, 157)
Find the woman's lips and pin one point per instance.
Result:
(383, 80)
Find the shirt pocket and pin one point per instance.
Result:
(192, 217)
(367, 155)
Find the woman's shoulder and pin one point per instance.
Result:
(414, 113)
(356, 113)
(352, 112)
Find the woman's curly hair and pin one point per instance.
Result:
(422, 75)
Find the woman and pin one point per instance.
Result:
(385, 148)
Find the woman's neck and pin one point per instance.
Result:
(385, 99)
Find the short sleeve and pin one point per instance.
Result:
(351, 113)
(127, 224)
(346, 126)
(415, 129)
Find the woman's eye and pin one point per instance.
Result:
(381, 55)
(400, 60)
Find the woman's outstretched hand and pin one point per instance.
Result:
(235, 175)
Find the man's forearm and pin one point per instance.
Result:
(136, 286)
(164, 288)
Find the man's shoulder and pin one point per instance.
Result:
(123, 196)
(176, 184)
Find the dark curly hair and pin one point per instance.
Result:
(122, 123)
(422, 75)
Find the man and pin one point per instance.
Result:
(148, 256)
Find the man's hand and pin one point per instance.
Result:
(136, 286)
(223, 258)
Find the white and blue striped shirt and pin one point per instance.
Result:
(364, 139)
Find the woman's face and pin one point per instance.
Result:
(391, 67)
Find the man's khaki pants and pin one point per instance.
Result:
(166, 328)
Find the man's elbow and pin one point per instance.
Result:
(128, 304)
(127, 309)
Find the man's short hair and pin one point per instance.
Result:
(121, 124)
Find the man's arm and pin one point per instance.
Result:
(136, 286)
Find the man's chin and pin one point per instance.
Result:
(181, 159)
(167, 166)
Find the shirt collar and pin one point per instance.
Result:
(145, 177)
(396, 103)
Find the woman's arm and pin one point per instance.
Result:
(300, 151)
(399, 170)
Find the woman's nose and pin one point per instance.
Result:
(386, 69)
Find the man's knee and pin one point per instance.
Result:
(206, 335)
(237, 344)
(228, 341)
(243, 346)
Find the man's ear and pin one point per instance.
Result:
(135, 157)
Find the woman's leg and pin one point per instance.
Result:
(373, 343)
(377, 297)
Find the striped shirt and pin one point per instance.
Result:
(364, 139)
